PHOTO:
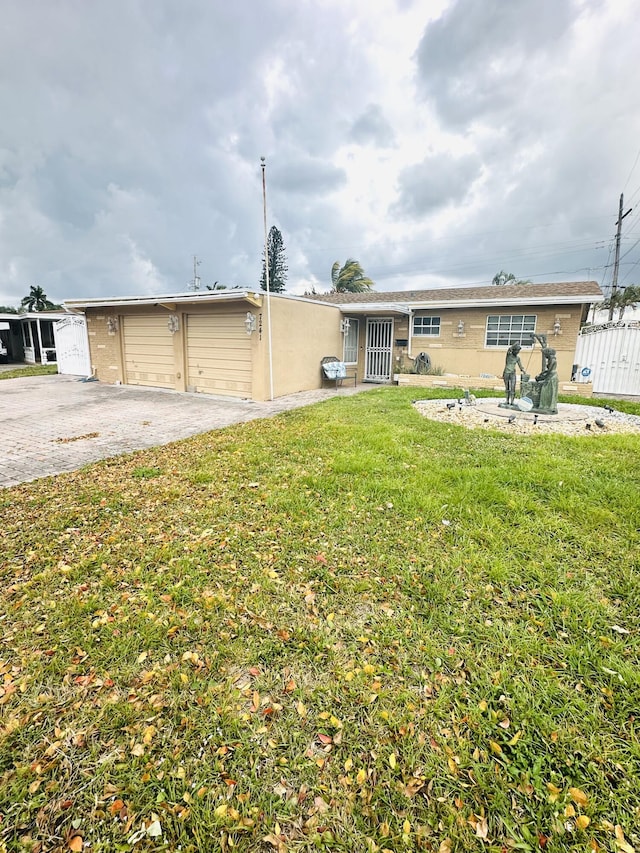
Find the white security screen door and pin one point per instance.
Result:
(378, 356)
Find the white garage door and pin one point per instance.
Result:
(148, 352)
(218, 354)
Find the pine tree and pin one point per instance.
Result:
(277, 263)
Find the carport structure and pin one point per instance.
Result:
(212, 343)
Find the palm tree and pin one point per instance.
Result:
(626, 297)
(349, 278)
(36, 300)
(503, 277)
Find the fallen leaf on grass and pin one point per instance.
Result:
(414, 786)
(321, 805)
(621, 841)
(482, 828)
(75, 843)
(154, 830)
(276, 842)
(148, 734)
(116, 806)
(578, 796)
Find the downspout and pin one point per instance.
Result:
(410, 342)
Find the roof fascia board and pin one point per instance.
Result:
(378, 307)
(363, 307)
(167, 299)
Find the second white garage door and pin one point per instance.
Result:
(218, 355)
(148, 351)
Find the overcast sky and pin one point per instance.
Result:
(435, 141)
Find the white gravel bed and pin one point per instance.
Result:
(572, 419)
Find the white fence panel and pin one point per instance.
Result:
(609, 357)
(72, 346)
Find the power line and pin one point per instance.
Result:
(635, 163)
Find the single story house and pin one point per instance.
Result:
(29, 337)
(246, 344)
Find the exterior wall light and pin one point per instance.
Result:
(112, 325)
(344, 326)
(250, 322)
(461, 327)
(173, 323)
(557, 328)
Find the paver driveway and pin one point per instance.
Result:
(51, 424)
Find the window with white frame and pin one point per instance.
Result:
(26, 335)
(350, 350)
(506, 329)
(426, 326)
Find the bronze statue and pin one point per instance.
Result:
(548, 381)
(509, 372)
(543, 390)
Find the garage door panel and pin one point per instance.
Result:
(220, 361)
(148, 351)
(218, 355)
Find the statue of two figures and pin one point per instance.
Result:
(543, 390)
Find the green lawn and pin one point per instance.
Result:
(29, 370)
(348, 628)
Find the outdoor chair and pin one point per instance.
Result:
(334, 370)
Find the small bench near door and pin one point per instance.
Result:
(334, 370)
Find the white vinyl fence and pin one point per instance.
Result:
(608, 355)
(72, 346)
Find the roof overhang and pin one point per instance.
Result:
(375, 308)
(407, 308)
(169, 301)
(54, 316)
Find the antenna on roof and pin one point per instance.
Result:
(194, 284)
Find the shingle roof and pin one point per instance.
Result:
(589, 289)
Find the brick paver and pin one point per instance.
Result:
(39, 414)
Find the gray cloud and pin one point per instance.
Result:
(477, 59)
(438, 181)
(304, 175)
(372, 128)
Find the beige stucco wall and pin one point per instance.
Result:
(302, 334)
(104, 347)
(467, 354)
(476, 383)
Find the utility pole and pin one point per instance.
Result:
(194, 284)
(614, 280)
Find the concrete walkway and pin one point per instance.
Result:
(52, 424)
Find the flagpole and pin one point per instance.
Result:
(266, 277)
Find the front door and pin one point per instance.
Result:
(378, 354)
